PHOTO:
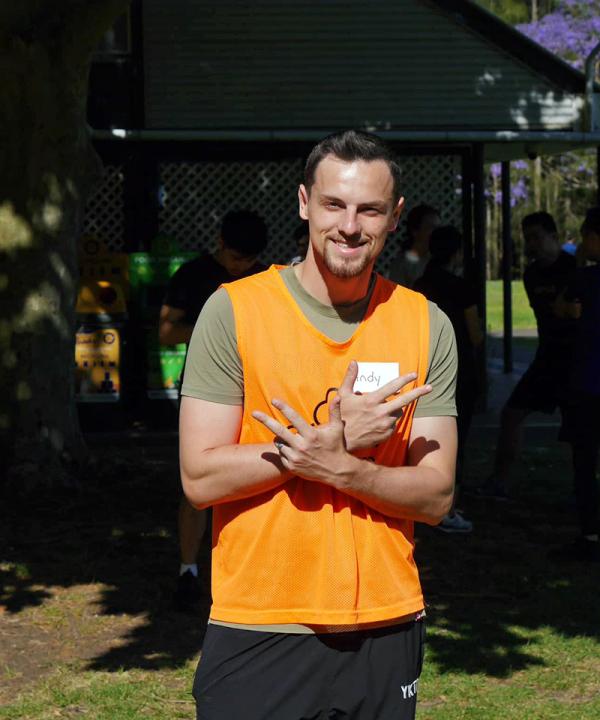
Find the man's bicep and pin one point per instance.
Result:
(433, 442)
(442, 368)
(168, 313)
(213, 368)
(204, 425)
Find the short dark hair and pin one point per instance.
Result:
(541, 218)
(415, 217)
(414, 220)
(351, 145)
(592, 221)
(444, 243)
(244, 231)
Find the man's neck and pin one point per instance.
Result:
(217, 256)
(328, 288)
(549, 260)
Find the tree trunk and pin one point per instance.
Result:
(48, 165)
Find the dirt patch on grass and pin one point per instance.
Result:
(87, 574)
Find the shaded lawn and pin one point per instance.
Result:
(86, 628)
(523, 317)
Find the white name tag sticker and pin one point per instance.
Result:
(373, 375)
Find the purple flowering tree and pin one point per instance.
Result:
(570, 31)
(564, 185)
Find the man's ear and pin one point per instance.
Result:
(303, 202)
(396, 214)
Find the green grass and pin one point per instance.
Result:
(523, 318)
(87, 630)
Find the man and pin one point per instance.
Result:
(315, 487)
(442, 284)
(408, 266)
(581, 426)
(243, 237)
(541, 389)
(300, 238)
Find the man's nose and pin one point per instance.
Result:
(350, 225)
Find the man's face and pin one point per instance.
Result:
(540, 244)
(234, 262)
(427, 226)
(350, 210)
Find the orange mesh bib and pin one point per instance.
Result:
(305, 552)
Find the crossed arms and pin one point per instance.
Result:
(216, 469)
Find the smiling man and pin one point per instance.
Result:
(300, 425)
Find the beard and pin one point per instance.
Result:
(345, 267)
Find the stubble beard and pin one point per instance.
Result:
(345, 268)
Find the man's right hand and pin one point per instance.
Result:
(368, 418)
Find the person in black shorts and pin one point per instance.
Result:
(318, 472)
(442, 284)
(243, 237)
(581, 419)
(541, 387)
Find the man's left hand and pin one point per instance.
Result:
(315, 453)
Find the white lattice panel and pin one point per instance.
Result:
(195, 196)
(104, 212)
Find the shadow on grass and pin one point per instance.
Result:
(491, 592)
(118, 531)
(488, 593)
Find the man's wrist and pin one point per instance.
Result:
(346, 475)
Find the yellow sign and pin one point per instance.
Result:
(97, 358)
(98, 263)
(100, 297)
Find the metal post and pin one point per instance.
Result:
(480, 252)
(598, 175)
(507, 267)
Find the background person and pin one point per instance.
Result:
(300, 238)
(316, 599)
(408, 266)
(541, 389)
(441, 283)
(581, 426)
(243, 236)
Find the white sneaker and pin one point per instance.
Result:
(455, 523)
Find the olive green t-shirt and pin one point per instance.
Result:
(214, 371)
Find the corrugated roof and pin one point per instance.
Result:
(407, 64)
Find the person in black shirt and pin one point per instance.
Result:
(441, 284)
(408, 266)
(541, 387)
(242, 238)
(581, 420)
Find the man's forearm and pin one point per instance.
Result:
(231, 472)
(418, 493)
(173, 333)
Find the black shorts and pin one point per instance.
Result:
(364, 675)
(581, 420)
(542, 387)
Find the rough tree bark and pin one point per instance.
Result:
(47, 166)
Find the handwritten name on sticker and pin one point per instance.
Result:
(373, 375)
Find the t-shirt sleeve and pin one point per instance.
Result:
(468, 294)
(213, 367)
(443, 363)
(175, 295)
(574, 286)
